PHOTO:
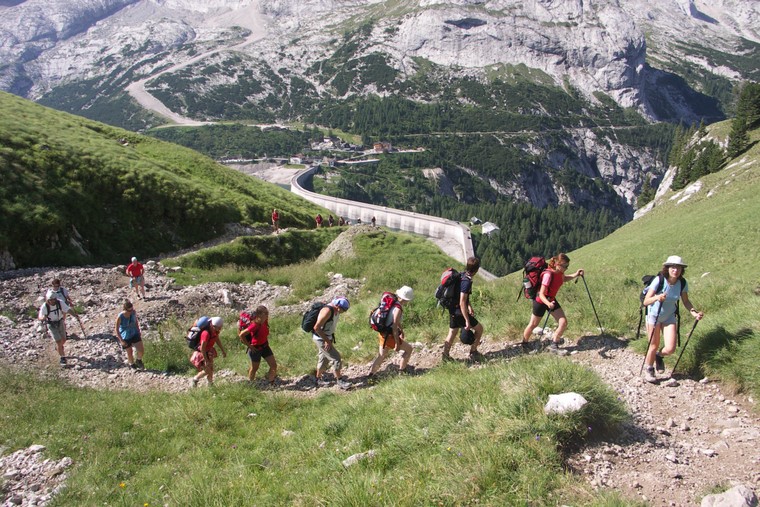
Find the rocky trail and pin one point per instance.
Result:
(684, 438)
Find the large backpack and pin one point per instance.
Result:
(447, 292)
(194, 333)
(311, 315)
(647, 280)
(56, 309)
(532, 271)
(381, 318)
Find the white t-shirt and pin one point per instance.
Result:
(53, 312)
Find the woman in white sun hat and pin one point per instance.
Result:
(394, 338)
(663, 294)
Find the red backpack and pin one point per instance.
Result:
(245, 320)
(532, 276)
(381, 318)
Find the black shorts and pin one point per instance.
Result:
(539, 309)
(255, 353)
(129, 343)
(456, 320)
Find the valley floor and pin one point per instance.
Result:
(683, 439)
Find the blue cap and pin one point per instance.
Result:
(203, 321)
(341, 303)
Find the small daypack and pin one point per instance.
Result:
(311, 315)
(194, 333)
(447, 292)
(532, 271)
(245, 320)
(381, 318)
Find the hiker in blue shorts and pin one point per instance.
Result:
(663, 295)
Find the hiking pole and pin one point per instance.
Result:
(684, 348)
(592, 304)
(84, 333)
(651, 335)
(543, 329)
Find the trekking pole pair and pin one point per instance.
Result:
(583, 277)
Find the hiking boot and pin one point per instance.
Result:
(133, 366)
(649, 375)
(323, 383)
(659, 363)
(475, 355)
(140, 364)
(344, 384)
(446, 358)
(193, 382)
(554, 349)
(62, 362)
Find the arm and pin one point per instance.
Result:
(40, 314)
(116, 330)
(544, 298)
(574, 275)
(324, 315)
(398, 331)
(464, 306)
(221, 346)
(694, 312)
(651, 297)
(242, 336)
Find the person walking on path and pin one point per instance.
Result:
(275, 221)
(461, 313)
(330, 221)
(64, 297)
(203, 358)
(546, 300)
(127, 331)
(136, 272)
(318, 220)
(395, 339)
(323, 336)
(662, 297)
(53, 312)
(256, 338)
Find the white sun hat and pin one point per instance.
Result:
(406, 293)
(674, 260)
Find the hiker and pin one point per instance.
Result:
(330, 221)
(323, 336)
(395, 339)
(341, 221)
(461, 314)
(53, 312)
(136, 272)
(61, 292)
(661, 301)
(374, 221)
(127, 331)
(203, 358)
(318, 220)
(256, 338)
(275, 220)
(552, 279)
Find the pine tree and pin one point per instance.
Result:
(738, 138)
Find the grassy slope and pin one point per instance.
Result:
(64, 175)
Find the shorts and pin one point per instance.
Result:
(56, 330)
(456, 320)
(258, 351)
(137, 280)
(197, 358)
(671, 320)
(130, 342)
(387, 341)
(539, 309)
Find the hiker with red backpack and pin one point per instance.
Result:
(390, 332)
(323, 336)
(551, 280)
(661, 300)
(255, 337)
(203, 358)
(462, 315)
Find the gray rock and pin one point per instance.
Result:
(738, 496)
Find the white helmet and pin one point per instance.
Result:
(217, 322)
(406, 293)
(134, 259)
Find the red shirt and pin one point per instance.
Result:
(259, 333)
(275, 216)
(553, 281)
(208, 337)
(135, 269)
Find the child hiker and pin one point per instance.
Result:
(256, 338)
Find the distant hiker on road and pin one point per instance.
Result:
(318, 220)
(53, 312)
(462, 315)
(323, 336)
(551, 280)
(203, 358)
(275, 221)
(136, 272)
(256, 338)
(394, 339)
(661, 300)
(127, 331)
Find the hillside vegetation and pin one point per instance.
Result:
(80, 192)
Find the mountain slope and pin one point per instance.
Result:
(76, 191)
